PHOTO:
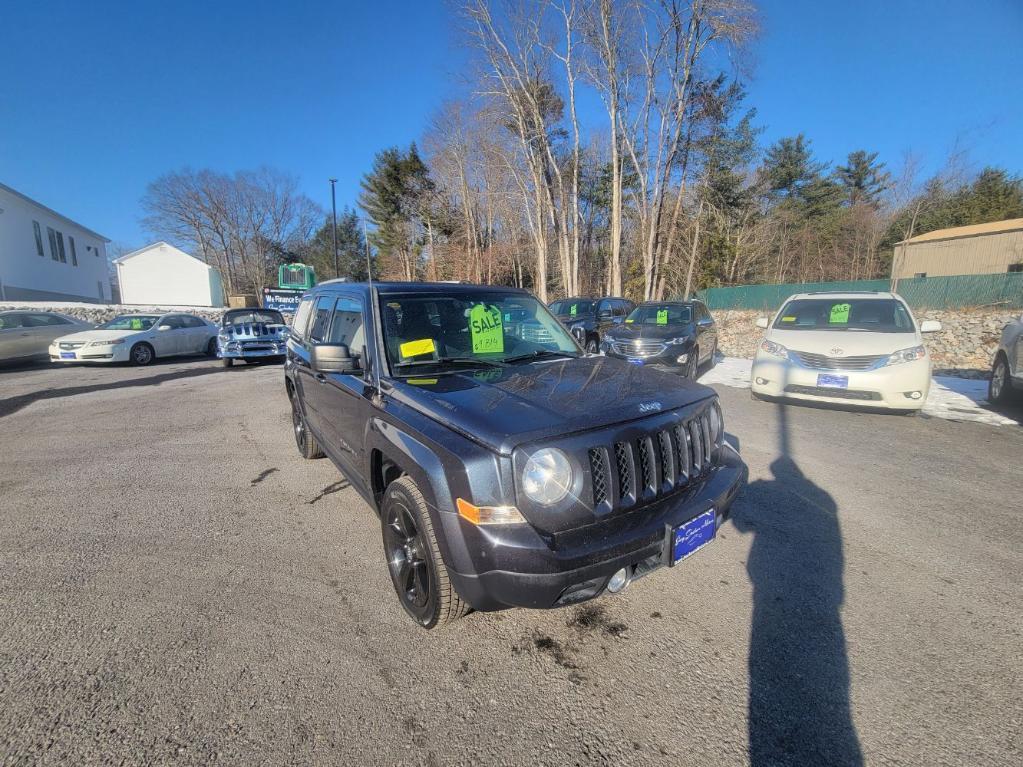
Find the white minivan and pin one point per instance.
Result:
(849, 348)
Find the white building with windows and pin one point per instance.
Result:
(45, 256)
(162, 275)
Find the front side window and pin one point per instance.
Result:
(39, 238)
(881, 315)
(130, 322)
(346, 326)
(175, 322)
(480, 328)
(660, 314)
(321, 319)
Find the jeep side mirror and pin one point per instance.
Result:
(334, 358)
(762, 322)
(930, 326)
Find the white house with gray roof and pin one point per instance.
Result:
(162, 275)
(46, 256)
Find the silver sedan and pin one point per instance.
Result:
(26, 334)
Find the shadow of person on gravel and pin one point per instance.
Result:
(14, 404)
(799, 711)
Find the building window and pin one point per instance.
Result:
(51, 234)
(920, 275)
(60, 247)
(74, 253)
(39, 238)
(1015, 268)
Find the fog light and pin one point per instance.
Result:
(913, 394)
(618, 581)
(761, 382)
(682, 358)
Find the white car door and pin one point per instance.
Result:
(168, 337)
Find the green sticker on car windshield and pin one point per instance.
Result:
(839, 314)
(662, 316)
(136, 324)
(573, 309)
(486, 329)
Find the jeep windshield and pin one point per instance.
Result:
(879, 315)
(130, 322)
(465, 329)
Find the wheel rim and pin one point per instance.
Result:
(591, 346)
(998, 380)
(142, 355)
(299, 425)
(406, 559)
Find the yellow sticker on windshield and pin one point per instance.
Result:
(415, 348)
(486, 329)
(788, 319)
(839, 314)
(136, 324)
(662, 316)
(421, 381)
(629, 319)
(573, 310)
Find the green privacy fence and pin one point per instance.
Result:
(962, 291)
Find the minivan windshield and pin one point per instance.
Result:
(463, 329)
(660, 314)
(879, 315)
(130, 322)
(573, 306)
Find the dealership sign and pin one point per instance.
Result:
(282, 299)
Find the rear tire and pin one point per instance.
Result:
(211, 348)
(141, 354)
(999, 388)
(307, 445)
(417, 569)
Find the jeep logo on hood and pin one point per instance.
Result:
(647, 407)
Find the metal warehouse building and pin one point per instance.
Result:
(994, 248)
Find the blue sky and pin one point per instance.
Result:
(99, 98)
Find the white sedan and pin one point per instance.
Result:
(139, 339)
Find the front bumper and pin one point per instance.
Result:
(517, 567)
(891, 387)
(236, 350)
(116, 353)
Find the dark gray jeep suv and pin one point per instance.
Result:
(507, 471)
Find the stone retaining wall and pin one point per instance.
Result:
(965, 345)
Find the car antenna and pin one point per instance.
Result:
(369, 264)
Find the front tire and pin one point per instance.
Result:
(999, 388)
(693, 364)
(307, 445)
(141, 354)
(417, 570)
(227, 362)
(211, 348)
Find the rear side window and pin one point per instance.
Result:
(321, 319)
(193, 322)
(301, 319)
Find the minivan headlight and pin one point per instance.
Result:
(775, 350)
(547, 476)
(907, 355)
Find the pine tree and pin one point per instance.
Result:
(864, 178)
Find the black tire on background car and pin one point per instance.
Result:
(693, 364)
(141, 354)
(304, 440)
(417, 570)
(226, 362)
(999, 388)
(712, 360)
(211, 348)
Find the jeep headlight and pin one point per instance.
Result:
(547, 476)
(907, 355)
(224, 337)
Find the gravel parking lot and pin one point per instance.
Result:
(178, 586)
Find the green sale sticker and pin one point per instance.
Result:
(486, 329)
(839, 314)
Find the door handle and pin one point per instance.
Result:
(321, 378)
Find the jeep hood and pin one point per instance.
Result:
(506, 407)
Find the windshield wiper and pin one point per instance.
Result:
(452, 360)
(539, 353)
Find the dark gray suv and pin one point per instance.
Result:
(508, 469)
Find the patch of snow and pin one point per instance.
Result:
(956, 399)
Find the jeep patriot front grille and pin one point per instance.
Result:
(637, 470)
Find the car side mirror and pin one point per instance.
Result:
(165, 327)
(334, 358)
(930, 326)
(762, 322)
(604, 315)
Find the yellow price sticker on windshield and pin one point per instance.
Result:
(839, 314)
(416, 348)
(662, 316)
(486, 329)
(788, 319)
(630, 320)
(421, 381)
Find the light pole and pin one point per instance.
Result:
(333, 215)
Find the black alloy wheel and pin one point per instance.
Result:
(306, 442)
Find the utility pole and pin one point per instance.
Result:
(333, 215)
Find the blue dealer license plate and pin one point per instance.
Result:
(833, 382)
(691, 536)
(635, 361)
(67, 355)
